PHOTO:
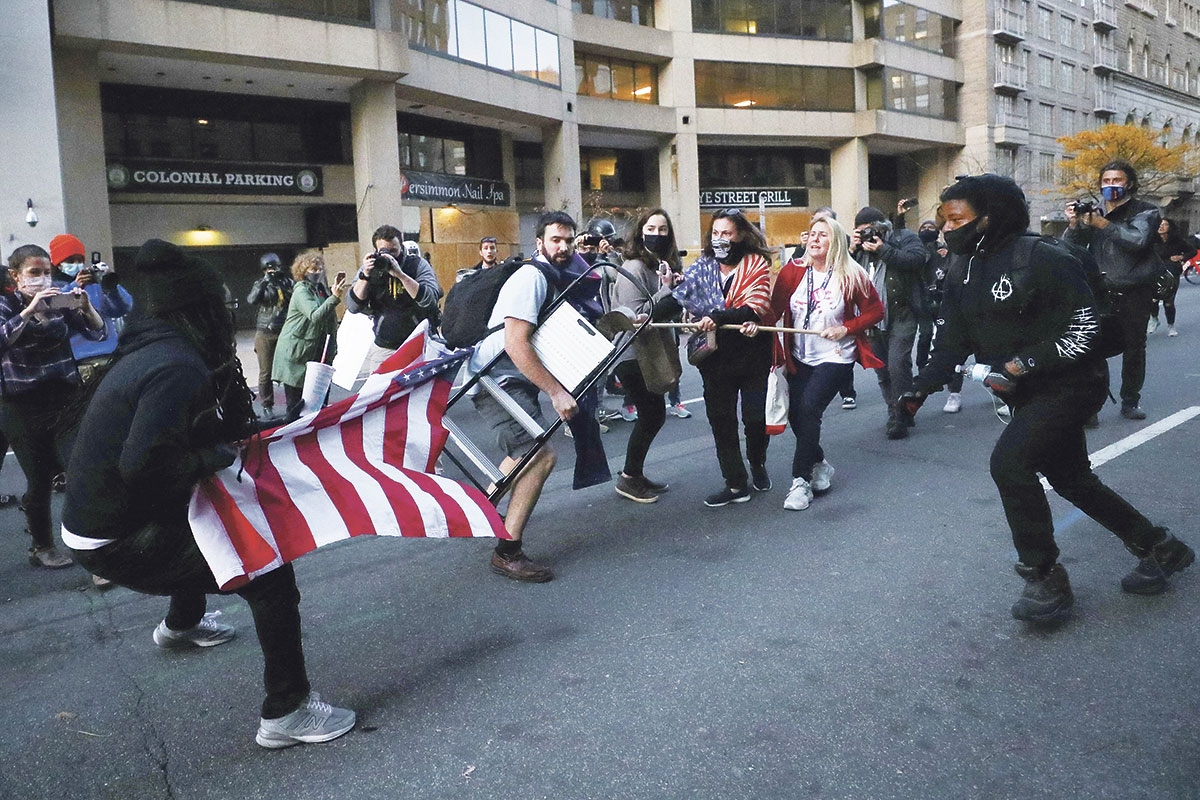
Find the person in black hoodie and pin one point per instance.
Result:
(1022, 305)
(163, 416)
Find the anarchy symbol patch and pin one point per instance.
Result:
(1002, 289)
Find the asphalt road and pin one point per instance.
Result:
(860, 649)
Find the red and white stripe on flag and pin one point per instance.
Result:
(360, 466)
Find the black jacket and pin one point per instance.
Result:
(271, 294)
(1125, 248)
(904, 254)
(144, 442)
(1000, 306)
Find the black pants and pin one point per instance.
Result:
(724, 382)
(810, 391)
(651, 411)
(163, 559)
(894, 348)
(32, 424)
(1133, 312)
(1046, 435)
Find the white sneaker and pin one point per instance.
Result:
(799, 496)
(822, 476)
(1171, 331)
(1152, 325)
(953, 403)
(314, 721)
(1003, 410)
(207, 633)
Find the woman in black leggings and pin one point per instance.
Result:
(1172, 250)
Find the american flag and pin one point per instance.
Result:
(361, 466)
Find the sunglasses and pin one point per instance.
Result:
(488, 240)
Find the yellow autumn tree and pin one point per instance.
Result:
(1157, 165)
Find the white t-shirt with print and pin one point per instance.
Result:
(823, 291)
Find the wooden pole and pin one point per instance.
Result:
(733, 327)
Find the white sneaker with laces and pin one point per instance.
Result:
(679, 410)
(1152, 325)
(207, 633)
(822, 476)
(1171, 331)
(799, 496)
(314, 721)
(953, 403)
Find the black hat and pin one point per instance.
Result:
(269, 261)
(868, 214)
(171, 279)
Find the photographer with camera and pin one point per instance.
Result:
(38, 380)
(397, 289)
(1121, 238)
(271, 293)
(895, 261)
(1023, 307)
(107, 296)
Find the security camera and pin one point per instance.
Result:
(31, 217)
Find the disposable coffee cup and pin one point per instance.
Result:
(317, 377)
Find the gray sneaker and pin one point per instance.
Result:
(822, 476)
(208, 633)
(314, 721)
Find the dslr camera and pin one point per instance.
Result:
(873, 233)
(1085, 207)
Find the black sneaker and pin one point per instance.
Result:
(760, 479)
(655, 486)
(1163, 560)
(727, 496)
(897, 428)
(635, 489)
(1132, 412)
(1047, 595)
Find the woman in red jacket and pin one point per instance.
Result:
(823, 291)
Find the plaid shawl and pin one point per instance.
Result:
(700, 292)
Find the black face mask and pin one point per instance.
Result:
(736, 251)
(656, 243)
(964, 239)
(928, 235)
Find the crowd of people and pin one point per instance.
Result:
(135, 396)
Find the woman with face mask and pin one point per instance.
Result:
(1022, 305)
(38, 380)
(731, 284)
(651, 269)
(311, 320)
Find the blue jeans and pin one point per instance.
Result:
(810, 391)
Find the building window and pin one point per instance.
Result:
(901, 22)
(1066, 32)
(433, 154)
(149, 122)
(806, 19)
(896, 90)
(1043, 119)
(1046, 72)
(1046, 168)
(1066, 122)
(354, 12)
(723, 84)
(529, 169)
(605, 170)
(464, 30)
(601, 76)
(1066, 77)
(722, 167)
(1045, 23)
(639, 12)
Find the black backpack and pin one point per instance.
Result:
(1111, 341)
(469, 302)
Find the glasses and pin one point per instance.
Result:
(488, 240)
(729, 212)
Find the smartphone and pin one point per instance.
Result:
(910, 202)
(64, 301)
(341, 276)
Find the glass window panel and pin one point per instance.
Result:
(279, 141)
(114, 134)
(645, 79)
(456, 156)
(604, 79)
(547, 57)
(524, 50)
(405, 155)
(158, 137)
(426, 153)
(472, 44)
(499, 41)
(622, 79)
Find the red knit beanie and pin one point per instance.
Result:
(63, 247)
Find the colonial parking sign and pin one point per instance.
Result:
(160, 176)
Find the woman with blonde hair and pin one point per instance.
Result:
(827, 292)
(311, 322)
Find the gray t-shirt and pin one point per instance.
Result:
(521, 298)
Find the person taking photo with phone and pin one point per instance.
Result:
(38, 380)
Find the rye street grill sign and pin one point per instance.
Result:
(751, 198)
(209, 177)
(438, 188)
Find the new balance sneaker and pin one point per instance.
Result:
(799, 496)
(822, 476)
(849, 403)
(727, 496)
(628, 413)
(207, 633)
(759, 478)
(1159, 563)
(953, 403)
(314, 721)
(1047, 595)
(635, 488)
(678, 410)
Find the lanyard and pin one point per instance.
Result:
(809, 303)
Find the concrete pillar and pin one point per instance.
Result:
(848, 179)
(679, 181)
(936, 174)
(82, 151)
(560, 157)
(30, 167)
(376, 158)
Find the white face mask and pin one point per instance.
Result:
(32, 286)
(71, 268)
(721, 248)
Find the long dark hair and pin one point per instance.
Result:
(752, 238)
(636, 249)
